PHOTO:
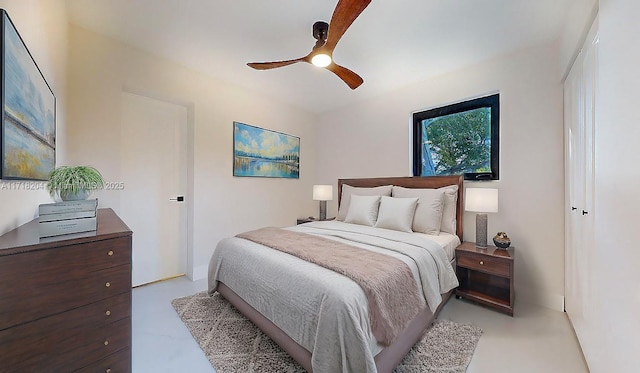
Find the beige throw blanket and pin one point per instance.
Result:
(392, 293)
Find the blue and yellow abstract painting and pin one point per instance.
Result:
(28, 126)
(262, 153)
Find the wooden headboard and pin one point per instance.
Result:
(413, 182)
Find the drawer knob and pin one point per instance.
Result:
(107, 284)
(106, 343)
(110, 253)
(108, 313)
(108, 370)
(481, 262)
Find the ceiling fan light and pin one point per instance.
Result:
(321, 60)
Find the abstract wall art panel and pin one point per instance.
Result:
(28, 129)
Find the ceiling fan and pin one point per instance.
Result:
(327, 36)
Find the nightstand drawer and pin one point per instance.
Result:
(484, 263)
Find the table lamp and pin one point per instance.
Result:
(323, 193)
(482, 201)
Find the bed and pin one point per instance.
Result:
(320, 317)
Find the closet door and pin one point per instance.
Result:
(580, 99)
(574, 193)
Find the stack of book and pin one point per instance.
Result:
(68, 217)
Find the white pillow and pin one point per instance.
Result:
(348, 190)
(449, 222)
(428, 215)
(396, 213)
(363, 210)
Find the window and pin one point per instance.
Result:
(461, 138)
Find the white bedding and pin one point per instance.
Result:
(321, 310)
(447, 241)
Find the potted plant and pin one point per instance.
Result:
(73, 183)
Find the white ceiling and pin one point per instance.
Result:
(392, 44)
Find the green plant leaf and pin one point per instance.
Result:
(73, 179)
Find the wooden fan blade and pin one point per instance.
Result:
(352, 79)
(273, 65)
(343, 16)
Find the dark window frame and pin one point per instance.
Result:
(492, 102)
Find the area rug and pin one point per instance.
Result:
(234, 344)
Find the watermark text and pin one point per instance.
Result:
(42, 185)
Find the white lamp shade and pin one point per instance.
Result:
(323, 192)
(481, 200)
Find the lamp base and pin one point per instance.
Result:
(481, 230)
(323, 210)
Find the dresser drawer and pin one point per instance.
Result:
(484, 264)
(28, 298)
(120, 362)
(69, 340)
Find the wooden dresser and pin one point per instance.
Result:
(65, 301)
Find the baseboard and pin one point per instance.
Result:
(200, 272)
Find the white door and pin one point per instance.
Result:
(580, 103)
(154, 171)
(575, 193)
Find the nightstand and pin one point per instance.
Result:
(486, 276)
(309, 220)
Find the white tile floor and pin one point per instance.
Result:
(535, 340)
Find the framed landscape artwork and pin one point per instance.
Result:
(262, 153)
(28, 128)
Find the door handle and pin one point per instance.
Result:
(177, 199)
(573, 208)
(585, 212)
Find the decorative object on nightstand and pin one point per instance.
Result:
(323, 193)
(501, 240)
(482, 201)
(486, 276)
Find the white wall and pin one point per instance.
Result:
(372, 139)
(576, 27)
(42, 24)
(100, 68)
